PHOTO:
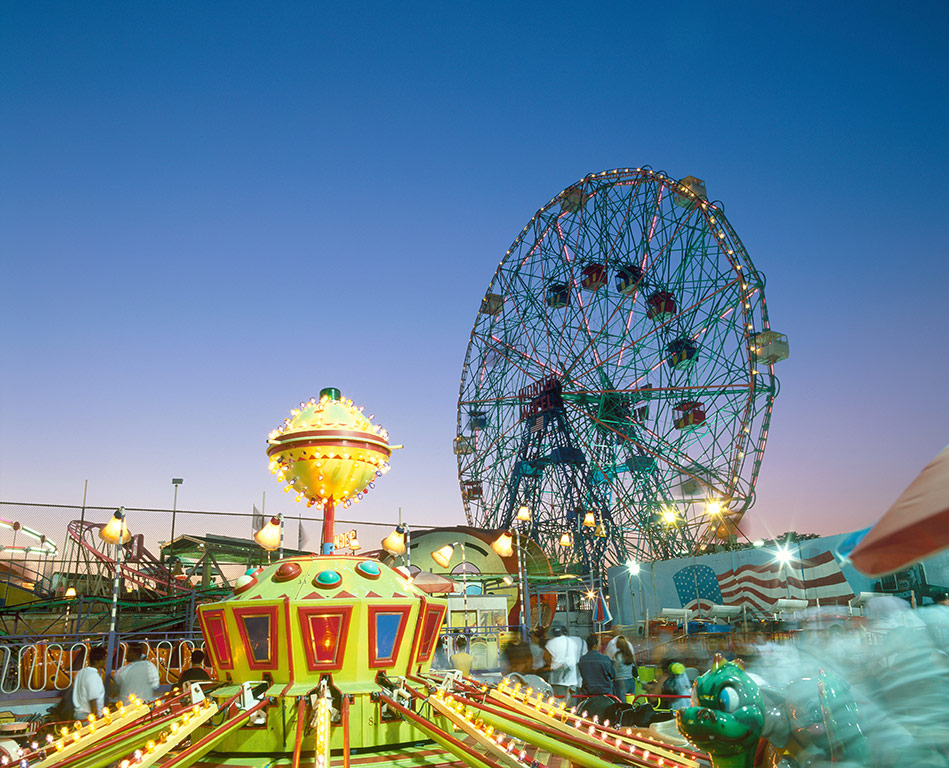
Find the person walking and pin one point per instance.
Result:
(539, 665)
(517, 655)
(138, 677)
(624, 660)
(88, 690)
(562, 656)
(615, 635)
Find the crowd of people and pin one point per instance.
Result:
(137, 677)
(574, 665)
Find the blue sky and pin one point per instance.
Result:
(210, 211)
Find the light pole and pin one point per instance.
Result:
(502, 546)
(523, 516)
(442, 556)
(115, 532)
(783, 556)
(16, 527)
(70, 595)
(633, 568)
(175, 481)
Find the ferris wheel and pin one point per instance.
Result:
(619, 377)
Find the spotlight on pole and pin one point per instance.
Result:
(394, 543)
(268, 537)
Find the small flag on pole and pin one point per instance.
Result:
(601, 610)
(258, 520)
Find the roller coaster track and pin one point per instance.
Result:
(139, 569)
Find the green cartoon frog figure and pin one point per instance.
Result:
(811, 723)
(727, 717)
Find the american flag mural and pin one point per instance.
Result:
(815, 579)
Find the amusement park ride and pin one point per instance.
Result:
(619, 377)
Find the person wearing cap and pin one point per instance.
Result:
(676, 684)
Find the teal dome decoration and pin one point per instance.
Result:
(369, 569)
(328, 578)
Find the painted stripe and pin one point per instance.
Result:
(826, 581)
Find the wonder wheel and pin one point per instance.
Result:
(619, 377)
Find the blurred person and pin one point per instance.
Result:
(561, 654)
(676, 685)
(615, 635)
(461, 659)
(539, 666)
(517, 655)
(88, 690)
(440, 660)
(624, 662)
(936, 618)
(138, 676)
(596, 670)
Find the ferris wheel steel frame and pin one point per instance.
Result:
(632, 294)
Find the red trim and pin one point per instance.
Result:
(289, 634)
(290, 438)
(204, 616)
(304, 613)
(325, 442)
(438, 611)
(419, 622)
(270, 611)
(374, 610)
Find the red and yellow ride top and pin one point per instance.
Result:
(299, 619)
(328, 451)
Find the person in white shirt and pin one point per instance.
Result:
(563, 655)
(611, 646)
(88, 690)
(139, 677)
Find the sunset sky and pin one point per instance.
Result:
(208, 212)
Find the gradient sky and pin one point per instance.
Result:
(209, 211)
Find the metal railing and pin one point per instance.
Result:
(51, 666)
